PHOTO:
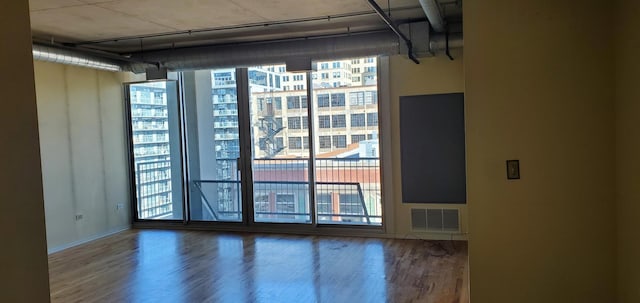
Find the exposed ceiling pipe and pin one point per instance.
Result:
(432, 10)
(394, 28)
(245, 54)
(438, 43)
(77, 58)
(271, 52)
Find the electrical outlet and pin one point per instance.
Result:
(79, 217)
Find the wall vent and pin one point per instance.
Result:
(435, 219)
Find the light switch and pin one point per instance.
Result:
(513, 169)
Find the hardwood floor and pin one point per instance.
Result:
(197, 266)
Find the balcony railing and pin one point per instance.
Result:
(226, 136)
(225, 112)
(347, 192)
(225, 124)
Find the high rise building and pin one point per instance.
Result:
(150, 135)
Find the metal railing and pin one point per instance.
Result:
(347, 191)
(156, 202)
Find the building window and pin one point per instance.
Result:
(372, 119)
(357, 120)
(285, 203)
(294, 123)
(336, 64)
(371, 97)
(293, 102)
(337, 100)
(355, 79)
(324, 121)
(324, 204)
(336, 74)
(357, 138)
(325, 76)
(338, 121)
(370, 69)
(305, 142)
(285, 78)
(356, 98)
(350, 204)
(305, 122)
(279, 141)
(278, 102)
(340, 141)
(324, 65)
(295, 143)
(323, 100)
(324, 141)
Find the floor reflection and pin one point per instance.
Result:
(159, 268)
(193, 266)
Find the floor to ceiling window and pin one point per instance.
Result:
(155, 149)
(291, 168)
(347, 163)
(213, 145)
(280, 158)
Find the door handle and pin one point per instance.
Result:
(238, 164)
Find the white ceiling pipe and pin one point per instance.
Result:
(272, 52)
(70, 57)
(438, 43)
(432, 10)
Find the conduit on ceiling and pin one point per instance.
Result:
(241, 55)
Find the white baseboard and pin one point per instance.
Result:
(87, 240)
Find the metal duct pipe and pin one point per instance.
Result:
(439, 42)
(432, 10)
(70, 57)
(252, 54)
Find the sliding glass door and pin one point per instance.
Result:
(347, 149)
(213, 131)
(154, 132)
(280, 145)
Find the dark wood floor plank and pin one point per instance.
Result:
(196, 266)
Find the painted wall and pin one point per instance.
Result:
(82, 138)
(628, 149)
(432, 76)
(23, 257)
(539, 88)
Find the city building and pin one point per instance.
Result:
(150, 136)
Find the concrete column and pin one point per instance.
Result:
(23, 257)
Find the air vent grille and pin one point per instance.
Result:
(435, 219)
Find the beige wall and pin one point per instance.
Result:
(82, 139)
(432, 76)
(23, 257)
(628, 149)
(538, 78)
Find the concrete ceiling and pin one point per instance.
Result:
(131, 25)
